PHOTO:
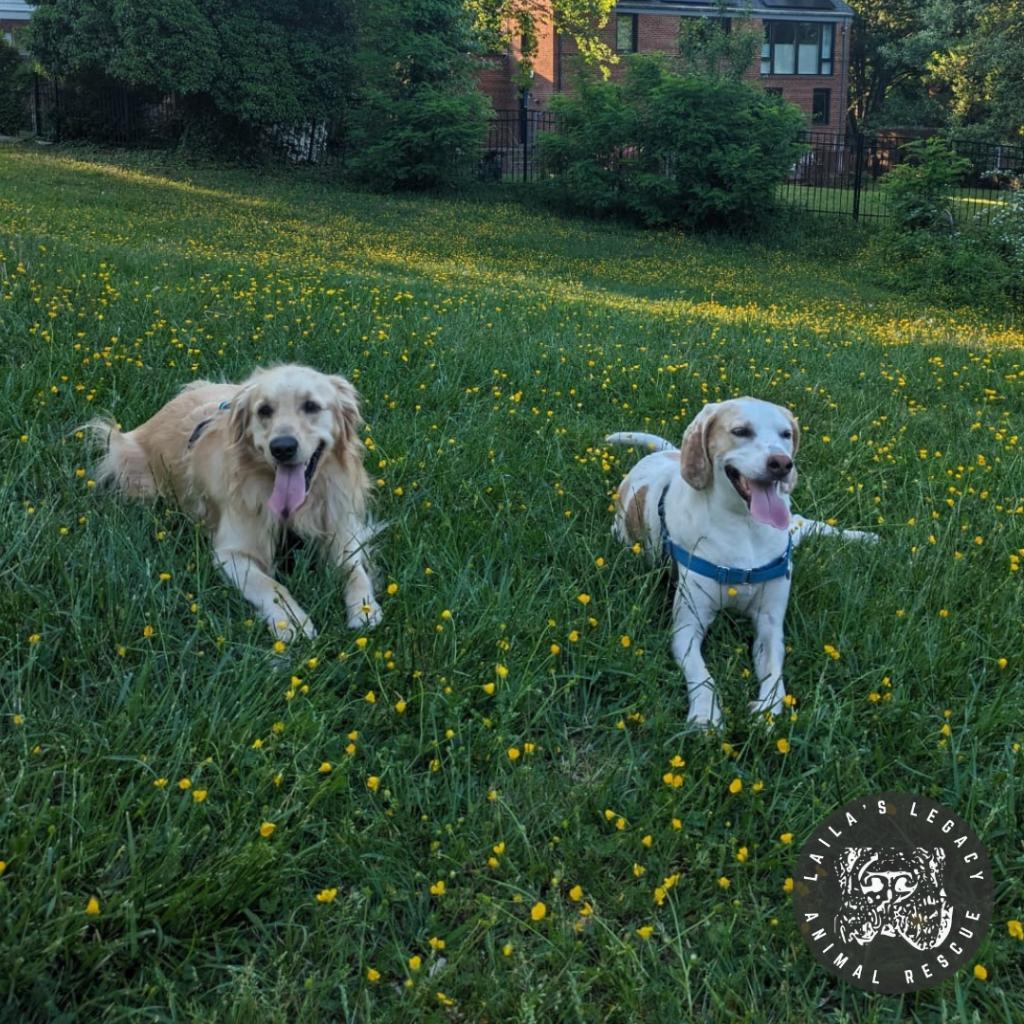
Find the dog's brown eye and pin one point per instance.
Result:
(310, 407)
(264, 411)
(741, 432)
(786, 435)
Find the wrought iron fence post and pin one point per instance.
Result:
(524, 129)
(858, 172)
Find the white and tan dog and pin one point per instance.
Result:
(279, 451)
(719, 507)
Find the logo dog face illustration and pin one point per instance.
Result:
(893, 892)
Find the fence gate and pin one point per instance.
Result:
(510, 153)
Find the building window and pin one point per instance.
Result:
(774, 91)
(796, 48)
(821, 106)
(626, 33)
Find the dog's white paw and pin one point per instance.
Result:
(704, 713)
(861, 535)
(367, 615)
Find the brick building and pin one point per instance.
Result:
(804, 54)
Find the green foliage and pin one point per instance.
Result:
(14, 83)
(919, 191)
(519, 23)
(921, 248)
(959, 64)
(665, 148)
(706, 48)
(261, 63)
(418, 119)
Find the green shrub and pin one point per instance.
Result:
(418, 119)
(665, 148)
(919, 192)
(14, 75)
(922, 250)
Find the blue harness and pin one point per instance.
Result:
(723, 574)
(203, 424)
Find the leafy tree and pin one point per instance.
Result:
(953, 62)
(13, 90)
(884, 52)
(706, 48)
(418, 118)
(982, 66)
(263, 62)
(503, 22)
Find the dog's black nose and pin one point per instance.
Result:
(284, 448)
(779, 465)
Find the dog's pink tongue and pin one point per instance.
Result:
(767, 506)
(289, 491)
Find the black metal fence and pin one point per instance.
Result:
(510, 152)
(104, 111)
(838, 174)
(841, 174)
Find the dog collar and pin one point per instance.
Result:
(723, 574)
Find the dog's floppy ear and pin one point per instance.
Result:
(241, 414)
(695, 459)
(346, 414)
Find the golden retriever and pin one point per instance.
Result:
(279, 451)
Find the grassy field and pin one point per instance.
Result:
(192, 832)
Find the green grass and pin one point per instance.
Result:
(494, 347)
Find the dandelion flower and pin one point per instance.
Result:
(267, 829)
(92, 908)
(538, 911)
(981, 972)
(326, 895)
(372, 975)
(735, 786)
